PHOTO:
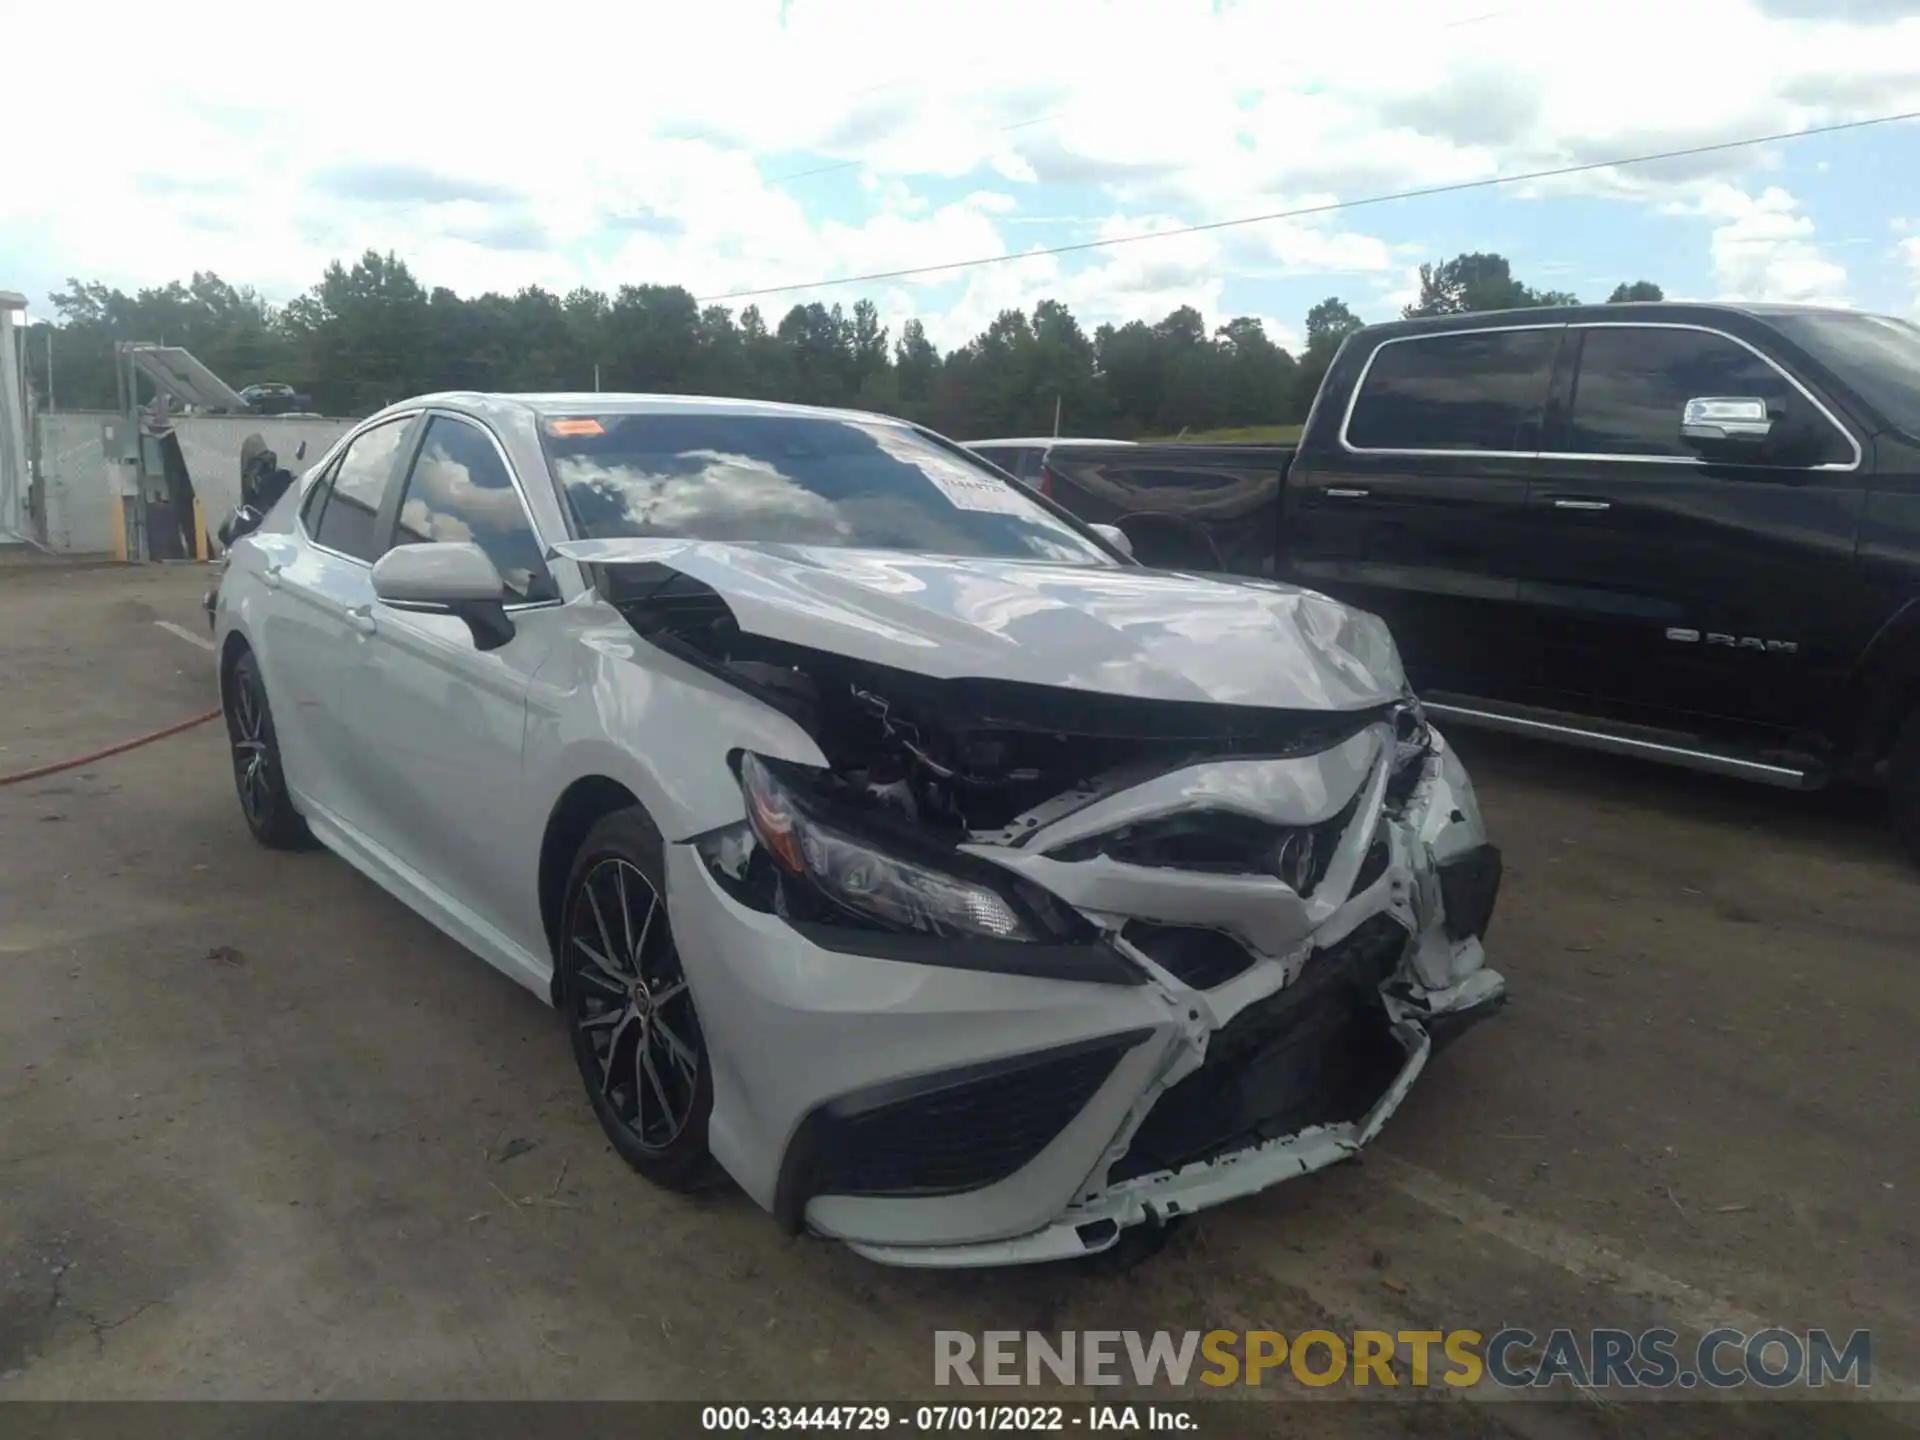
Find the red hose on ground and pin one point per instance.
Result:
(134, 744)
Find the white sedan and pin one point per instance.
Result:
(965, 891)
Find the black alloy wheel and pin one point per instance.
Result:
(636, 1035)
(257, 774)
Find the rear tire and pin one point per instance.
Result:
(258, 776)
(1903, 784)
(630, 1014)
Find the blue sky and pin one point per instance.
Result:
(756, 143)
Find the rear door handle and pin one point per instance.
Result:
(1345, 492)
(1583, 504)
(270, 577)
(361, 618)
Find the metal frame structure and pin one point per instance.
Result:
(136, 441)
(14, 474)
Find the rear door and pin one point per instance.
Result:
(316, 621)
(1669, 578)
(1415, 511)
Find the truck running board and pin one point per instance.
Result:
(1788, 772)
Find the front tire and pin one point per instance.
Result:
(630, 1014)
(1903, 784)
(258, 776)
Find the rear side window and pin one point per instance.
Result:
(1634, 382)
(352, 504)
(1475, 390)
(459, 489)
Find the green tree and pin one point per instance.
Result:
(1477, 282)
(1639, 290)
(1328, 325)
(916, 367)
(1258, 377)
(364, 336)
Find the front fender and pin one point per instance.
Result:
(613, 705)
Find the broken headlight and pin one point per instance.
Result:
(852, 866)
(1412, 735)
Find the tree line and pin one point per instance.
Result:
(370, 333)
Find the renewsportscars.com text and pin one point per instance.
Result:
(1511, 1358)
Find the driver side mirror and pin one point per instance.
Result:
(447, 578)
(1726, 419)
(1115, 537)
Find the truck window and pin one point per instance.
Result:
(1634, 381)
(1876, 355)
(1461, 391)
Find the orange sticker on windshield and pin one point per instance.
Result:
(581, 426)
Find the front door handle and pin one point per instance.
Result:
(361, 618)
(1345, 492)
(1583, 504)
(270, 577)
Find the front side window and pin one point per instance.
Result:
(797, 480)
(460, 490)
(1877, 355)
(1633, 384)
(1469, 390)
(359, 483)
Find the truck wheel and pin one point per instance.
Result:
(1903, 784)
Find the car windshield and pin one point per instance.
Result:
(796, 479)
(1875, 354)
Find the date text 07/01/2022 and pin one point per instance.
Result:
(933, 1419)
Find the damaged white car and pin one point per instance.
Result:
(967, 892)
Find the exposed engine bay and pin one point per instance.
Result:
(981, 760)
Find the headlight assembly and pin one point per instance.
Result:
(881, 880)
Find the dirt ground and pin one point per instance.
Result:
(256, 1117)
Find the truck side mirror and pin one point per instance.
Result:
(1726, 419)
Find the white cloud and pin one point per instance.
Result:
(1909, 252)
(1763, 248)
(615, 144)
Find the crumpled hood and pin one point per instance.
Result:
(1115, 630)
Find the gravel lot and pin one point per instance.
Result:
(253, 1112)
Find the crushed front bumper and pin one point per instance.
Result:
(950, 1113)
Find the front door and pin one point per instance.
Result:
(442, 722)
(1671, 582)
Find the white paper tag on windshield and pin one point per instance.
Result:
(968, 491)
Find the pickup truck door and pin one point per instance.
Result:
(1414, 510)
(1662, 578)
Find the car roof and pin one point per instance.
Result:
(1668, 311)
(1046, 440)
(626, 403)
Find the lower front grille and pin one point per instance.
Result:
(954, 1131)
(1193, 956)
(1320, 1052)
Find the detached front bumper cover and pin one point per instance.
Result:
(1289, 1066)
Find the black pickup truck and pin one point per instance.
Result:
(1687, 532)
